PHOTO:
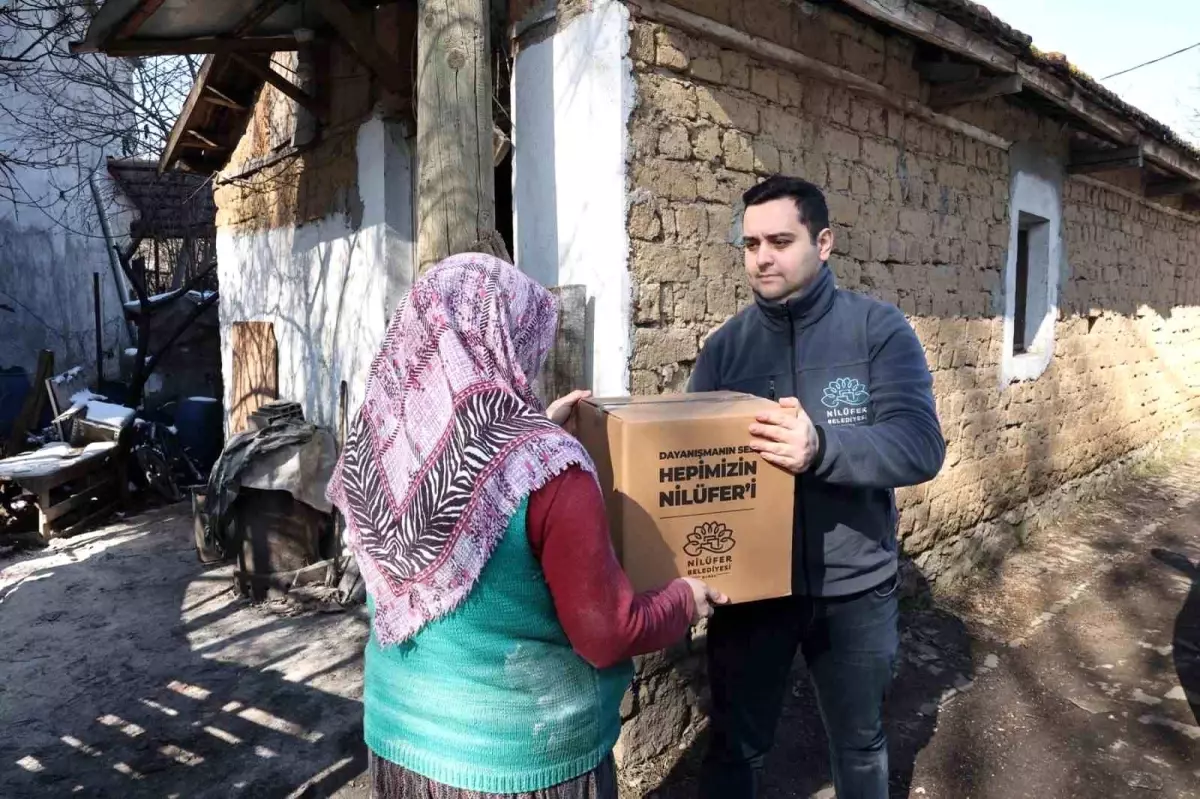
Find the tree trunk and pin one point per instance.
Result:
(455, 179)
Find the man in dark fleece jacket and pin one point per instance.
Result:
(856, 420)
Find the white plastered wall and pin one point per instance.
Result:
(1036, 190)
(572, 96)
(328, 287)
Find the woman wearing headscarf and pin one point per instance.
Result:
(502, 624)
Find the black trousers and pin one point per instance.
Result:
(849, 644)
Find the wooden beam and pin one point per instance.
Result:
(215, 96)
(285, 86)
(1169, 157)
(456, 190)
(1083, 161)
(256, 17)
(789, 59)
(1169, 188)
(564, 369)
(207, 142)
(930, 26)
(947, 71)
(203, 45)
(133, 20)
(199, 145)
(1067, 97)
(362, 41)
(951, 95)
(184, 119)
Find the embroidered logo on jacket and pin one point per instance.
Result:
(847, 399)
(845, 391)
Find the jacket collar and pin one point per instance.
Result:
(803, 309)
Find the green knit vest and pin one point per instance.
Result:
(491, 697)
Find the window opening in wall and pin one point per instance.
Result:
(1032, 280)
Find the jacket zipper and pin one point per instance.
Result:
(794, 368)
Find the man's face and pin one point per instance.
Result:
(781, 257)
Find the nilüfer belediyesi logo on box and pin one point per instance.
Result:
(714, 538)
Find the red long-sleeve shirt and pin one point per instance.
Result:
(605, 621)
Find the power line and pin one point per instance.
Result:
(1155, 61)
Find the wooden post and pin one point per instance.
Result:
(99, 331)
(455, 178)
(565, 368)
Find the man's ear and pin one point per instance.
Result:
(825, 244)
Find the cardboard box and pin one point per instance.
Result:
(686, 495)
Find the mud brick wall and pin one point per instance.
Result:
(322, 180)
(921, 216)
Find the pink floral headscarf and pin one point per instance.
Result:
(450, 438)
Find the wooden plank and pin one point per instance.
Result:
(1169, 157)
(947, 71)
(362, 41)
(76, 470)
(1084, 161)
(1065, 96)
(950, 95)
(929, 26)
(1168, 188)
(78, 500)
(285, 86)
(215, 96)
(789, 59)
(133, 20)
(566, 364)
(31, 408)
(207, 142)
(255, 371)
(179, 129)
(257, 16)
(202, 45)
(87, 521)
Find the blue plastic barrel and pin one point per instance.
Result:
(200, 422)
(14, 386)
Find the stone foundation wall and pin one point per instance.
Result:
(921, 217)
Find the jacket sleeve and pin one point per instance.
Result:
(904, 444)
(705, 374)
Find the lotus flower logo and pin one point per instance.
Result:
(709, 537)
(845, 391)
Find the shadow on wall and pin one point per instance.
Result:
(329, 286)
(128, 674)
(46, 280)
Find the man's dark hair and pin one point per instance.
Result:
(810, 202)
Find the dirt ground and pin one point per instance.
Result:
(130, 670)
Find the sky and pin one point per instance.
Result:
(1106, 36)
